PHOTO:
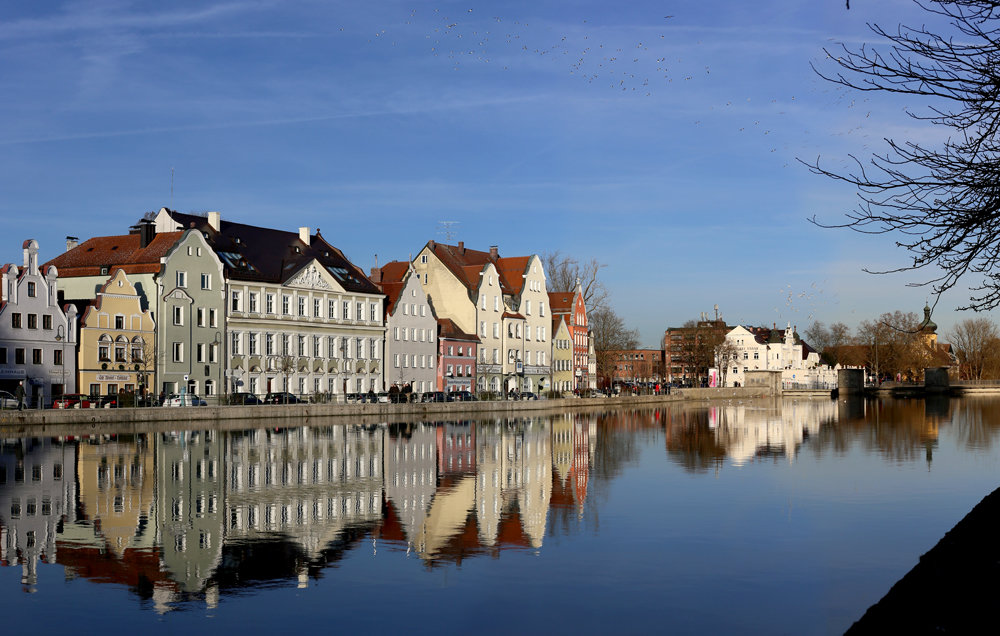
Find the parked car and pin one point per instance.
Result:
(464, 396)
(283, 397)
(184, 399)
(383, 397)
(434, 396)
(528, 395)
(244, 399)
(8, 401)
(70, 401)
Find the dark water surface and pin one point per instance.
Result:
(762, 517)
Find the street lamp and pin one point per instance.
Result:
(60, 338)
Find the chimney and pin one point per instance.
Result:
(376, 275)
(461, 246)
(215, 221)
(146, 232)
(494, 251)
(304, 235)
(71, 242)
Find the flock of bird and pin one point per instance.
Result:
(633, 61)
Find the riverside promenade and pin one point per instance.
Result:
(53, 422)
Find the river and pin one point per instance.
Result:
(763, 516)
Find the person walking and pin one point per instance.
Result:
(19, 394)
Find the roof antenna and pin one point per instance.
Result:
(171, 187)
(449, 234)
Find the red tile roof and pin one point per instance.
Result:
(122, 251)
(448, 329)
(561, 302)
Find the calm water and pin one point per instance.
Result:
(775, 517)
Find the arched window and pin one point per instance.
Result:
(104, 348)
(121, 344)
(137, 349)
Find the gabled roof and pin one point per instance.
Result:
(253, 253)
(466, 264)
(512, 272)
(392, 279)
(448, 329)
(559, 318)
(123, 251)
(561, 302)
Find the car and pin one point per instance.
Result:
(383, 398)
(244, 399)
(598, 394)
(8, 401)
(528, 395)
(465, 396)
(71, 401)
(434, 396)
(184, 399)
(282, 397)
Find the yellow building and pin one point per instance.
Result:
(116, 341)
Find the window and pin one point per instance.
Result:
(482, 328)
(302, 305)
(181, 279)
(119, 322)
(206, 281)
(496, 330)
(316, 308)
(317, 346)
(286, 304)
(36, 356)
(15, 321)
(31, 290)
(332, 341)
(360, 311)
(236, 301)
(423, 258)
(269, 344)
(178, 351)
(252, 341)
(361, 348)
(200, 352)
(32, 321)
(252, 300)
(18, 356)
(178, 315)
(527, 307)
(346, 315)
(395, 361)
(120, 349)
(234, 343)
(3, 355)
(302, 345)
(47, 322)
(331, 310)
(200, 316)
(374, 312)
(541, 308)
(269, 303)
(213, 318)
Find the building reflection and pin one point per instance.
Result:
(185, 517)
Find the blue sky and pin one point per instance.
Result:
(658, 137)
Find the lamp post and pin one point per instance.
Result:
(60, 338)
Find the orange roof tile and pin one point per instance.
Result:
(122, 251)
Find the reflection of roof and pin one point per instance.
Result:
(264, 254)
(122, 251)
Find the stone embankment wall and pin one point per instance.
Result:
(85, 421)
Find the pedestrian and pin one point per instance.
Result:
(19, 394)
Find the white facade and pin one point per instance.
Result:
(782, 351)
(37, 339)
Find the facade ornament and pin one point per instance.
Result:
(309, 277)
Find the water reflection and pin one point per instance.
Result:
(188, 516)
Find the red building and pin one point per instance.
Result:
(571, 305)
(457, 355)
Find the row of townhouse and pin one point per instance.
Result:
(196, 303)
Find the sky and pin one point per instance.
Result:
(663, 138)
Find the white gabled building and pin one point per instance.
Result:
(760, 348)
(37, 338)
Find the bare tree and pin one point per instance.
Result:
(828, 341)
(941, 201)
(975, 341)
(563, 272)
(893, 345)
(726, 355)
(611, 337)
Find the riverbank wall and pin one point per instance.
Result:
(88, 421)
